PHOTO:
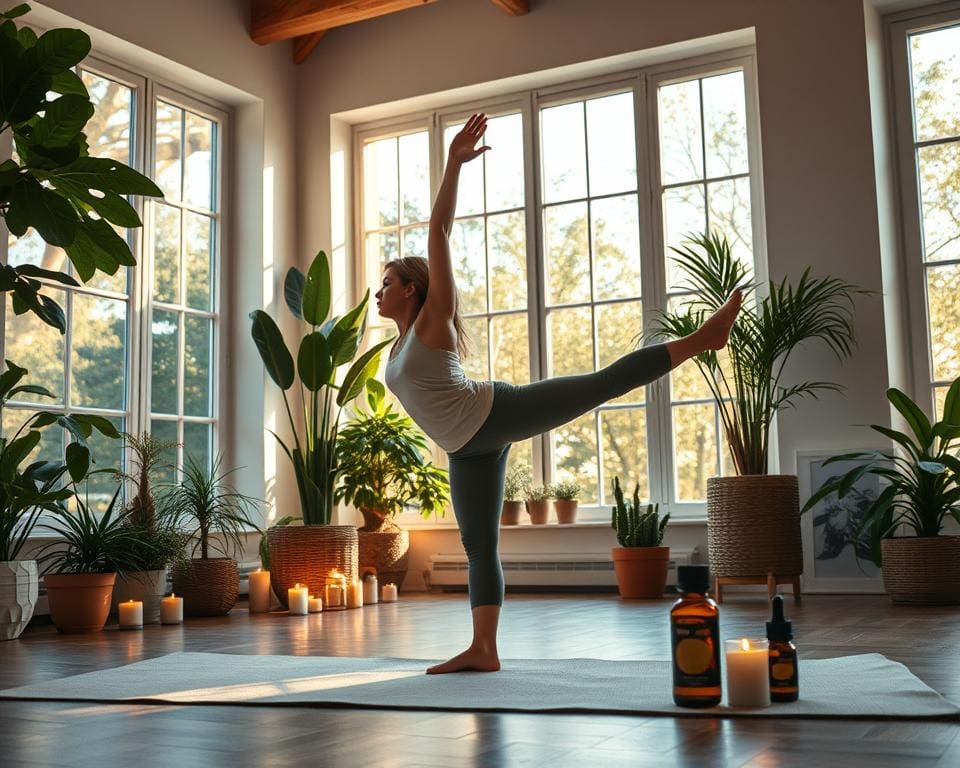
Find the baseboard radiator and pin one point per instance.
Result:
(581, 570)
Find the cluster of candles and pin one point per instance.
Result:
(336, 594)
(130, 612)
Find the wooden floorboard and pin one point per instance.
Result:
(54, 735)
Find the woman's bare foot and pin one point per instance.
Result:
(715, 332)
(472, 659)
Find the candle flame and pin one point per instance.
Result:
(173, 594)
(297, 585)
(745, 644)
(334, 572)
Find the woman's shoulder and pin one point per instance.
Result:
(436, 333)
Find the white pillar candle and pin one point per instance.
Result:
(315, 604)
(298, 600)
(171, 610)
(748, 673)
(354, 595)
(259, 591)
(389, 593)
(335, 591)
(370, 589)
(130, 614)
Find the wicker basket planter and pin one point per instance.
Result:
(307, 553)
(922, 571)
(208, 587)
(753, 526)
(388, 552)
(19, 589)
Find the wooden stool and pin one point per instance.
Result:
(770, 580)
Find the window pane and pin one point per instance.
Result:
(935, 70)
(169, 153)
(684, 214)
(725, 123)
(380, 184)
(695, 450)
(197, 366)
(504, 164)
(521, 454)
(198, 243)
(615, 228)
(414, 177)
(619, 330)
(469, 264)
(166, 254)
(165, 431)
(611, 144)
(730, 216)
(681, 150)
(567, 254)
(106, 453)
(50, 447)
(415, 242)
(198, 164)
(381, 248)
(507, 257)
(575, 456)
(564, 153)
(940, 200)
(511, 353)
(98, 363)
(164, 350)
(31, 249)
(197, 443)
(108, 131)
(470, 190)
(943, 300)
(475, 366)
(623, 441)
(38, 347)
(570, 333)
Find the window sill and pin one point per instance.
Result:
(452, 526)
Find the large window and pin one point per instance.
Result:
(561, 250)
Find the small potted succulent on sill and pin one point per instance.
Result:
(538, 503)
(565, 501)
(517, 482)
(640, 561)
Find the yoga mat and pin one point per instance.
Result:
(862, 686)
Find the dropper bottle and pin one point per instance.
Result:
(784, 678)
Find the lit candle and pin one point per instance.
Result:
(171, 610)
(259, 591)
(389, 593)
(297, 600)
(370, 588)
(315, 604)
(354, 595)
(335, 591)
(131, 614)
(748, 673)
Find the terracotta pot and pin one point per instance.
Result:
(387, 551)
(539, 511)
(923, 571)
(641, 571)
(510, 514)
(208, 587)
(79, 602)
(19, 588)
(147, 587)
(307, 553)
(566, 510)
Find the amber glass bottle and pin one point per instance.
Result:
(695, 635)
(784, 674)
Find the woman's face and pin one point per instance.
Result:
(394, 297)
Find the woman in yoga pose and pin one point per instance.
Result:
(475, 422)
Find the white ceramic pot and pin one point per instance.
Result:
(147, 587)
(19, 588)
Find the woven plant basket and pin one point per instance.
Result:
(208, 587)
(922, 571)
(307, 553)
(753, 526)
(388, 552)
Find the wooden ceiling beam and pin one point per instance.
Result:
(304, 45)
(273, 20)
(513, 7)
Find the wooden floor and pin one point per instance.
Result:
(436, 626)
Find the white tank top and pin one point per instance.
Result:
(432, 387)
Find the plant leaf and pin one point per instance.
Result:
(273, 350)
(316, 291)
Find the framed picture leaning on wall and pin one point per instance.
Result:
(830, 545)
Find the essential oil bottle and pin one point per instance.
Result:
(784, 675)
(695, 635)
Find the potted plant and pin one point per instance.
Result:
(81, 568)
(306, 553)
(380, 455)
(565, 501)
(215, 516)
(538, 503)
(922, 490)
(640, 561)
(518, 480)
(753, 518)
(157, 543)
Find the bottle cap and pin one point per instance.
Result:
(693, 578)
(778, 628)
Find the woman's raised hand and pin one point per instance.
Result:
(464, 147)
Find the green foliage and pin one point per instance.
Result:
(539, 493)
(518, 481)
(566, 490)
(326, 346)
(380, 454)
(636, 528)
(203, 504)
(747, 389)
(146, 455)
(27, 491)
(71, 199)
(921, 481)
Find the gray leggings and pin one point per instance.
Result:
(478, 469)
